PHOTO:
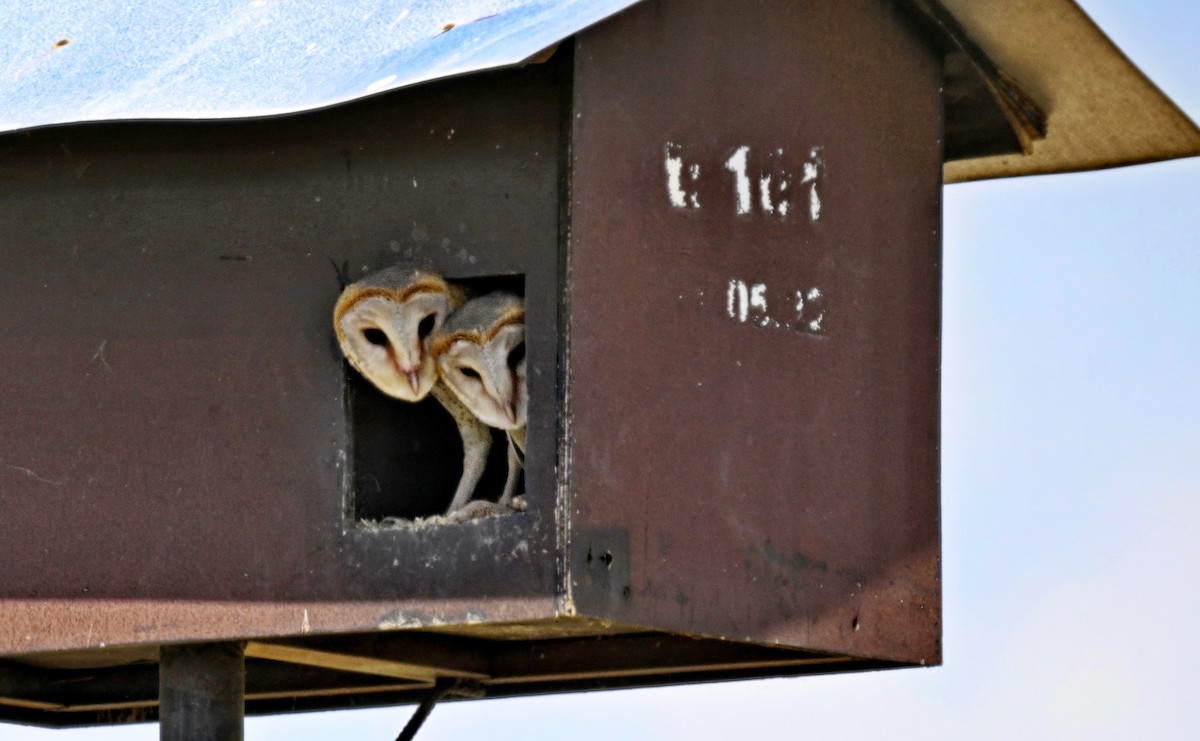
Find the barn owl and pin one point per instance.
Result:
(384, 323)
(480, 353)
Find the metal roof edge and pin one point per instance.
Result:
(1102, 111)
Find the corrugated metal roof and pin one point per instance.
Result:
(96, 60)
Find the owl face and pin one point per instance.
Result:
(489, 376)
(480, 354)
(385, 335)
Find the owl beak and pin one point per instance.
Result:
(511, 410)
(414, 380)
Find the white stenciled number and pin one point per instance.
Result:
(774, 182)
(778, 187)
(758, 305)
(810, 176)
(741, 180)
(810, 311)
(773, 186)
(746, 303)
(737, 303)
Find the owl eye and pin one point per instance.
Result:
(426, 326)
(515, 356)
(375, 336)
(469, 372)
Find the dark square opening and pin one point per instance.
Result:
(405, 458)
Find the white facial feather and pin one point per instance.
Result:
(388, 341)
(490, 378)
(481, 357)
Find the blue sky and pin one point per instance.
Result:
(1071, 483)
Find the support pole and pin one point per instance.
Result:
(202, 692)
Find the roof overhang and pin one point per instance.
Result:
(1072, 99)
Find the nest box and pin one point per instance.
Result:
(725, 220)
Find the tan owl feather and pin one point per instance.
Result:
(384, 324)
(480, 353)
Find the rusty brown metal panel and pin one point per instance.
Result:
(202, 692)
(173, 435)
(737, 470)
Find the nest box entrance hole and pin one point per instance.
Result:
(406, 458)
